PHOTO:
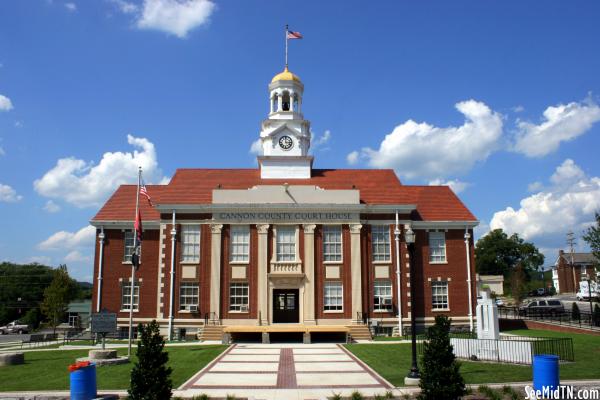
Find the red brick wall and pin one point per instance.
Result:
(114, 269)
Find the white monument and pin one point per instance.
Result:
(487, 317)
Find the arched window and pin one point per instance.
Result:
(274, 100)
(285, 103)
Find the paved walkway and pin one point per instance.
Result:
(286, 371)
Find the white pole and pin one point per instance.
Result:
(137, 204)
(398, 282)
(172, 280)
(467, 249)
(100, 262)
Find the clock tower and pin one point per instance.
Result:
(285, 134)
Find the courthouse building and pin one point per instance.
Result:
(285, 244)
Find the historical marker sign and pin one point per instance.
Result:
(104, 322)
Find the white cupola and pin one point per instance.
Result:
(285, 134)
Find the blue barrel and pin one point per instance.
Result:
(545, 371)
(83, 383)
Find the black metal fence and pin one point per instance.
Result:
(585, 320)
(508, 349)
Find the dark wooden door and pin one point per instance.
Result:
(286, 306)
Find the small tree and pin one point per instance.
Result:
(57, 296)
(575, 313)
(440, 375)
(518, 284)
(596, 315)
(150, 376)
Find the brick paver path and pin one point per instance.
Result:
(275, 368)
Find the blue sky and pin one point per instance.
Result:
(500, 99)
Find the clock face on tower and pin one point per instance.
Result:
(286, 142)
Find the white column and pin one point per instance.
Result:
(355, 270)
(291, 101)
(309, 271)
(215, 269)
(263, 288)
(172, 278)
(469, 290)
(279, 102)
(100, 265)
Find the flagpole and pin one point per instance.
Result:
(137, 205)
(286, 46)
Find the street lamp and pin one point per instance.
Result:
(413, 376)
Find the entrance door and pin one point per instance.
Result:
(285, 306)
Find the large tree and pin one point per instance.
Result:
(592, 237)
(57, 296)
(498, 254)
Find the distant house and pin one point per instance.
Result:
(78, 314)
(493, 282)
(569, 268)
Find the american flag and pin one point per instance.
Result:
(144, 192)
(294, 35)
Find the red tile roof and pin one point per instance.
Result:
(376, 186)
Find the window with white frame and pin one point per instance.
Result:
(238, 296)
(129, 248)
(437, 247)
(333, 298)
(190, 243)
(439, 295)
(126, 296)
(380, 242)
(240, 243)
(382, 290)
(188, 295)
(286, 243)
(332, 243)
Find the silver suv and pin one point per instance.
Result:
(542, 307)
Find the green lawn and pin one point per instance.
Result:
(47, 370)
(392, 361)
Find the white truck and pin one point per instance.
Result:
(14, 327)
(584, 291)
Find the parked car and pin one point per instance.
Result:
(542, 307)
(500, 302)
(538, 292)
(14, 327)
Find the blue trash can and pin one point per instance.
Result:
(545, 371)
(83, 383)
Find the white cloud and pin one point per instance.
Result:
(535, 186)
(51, 207)
(422, 150)
(18, 124)
(256, 147)
(569, 203)
(518, 109)
(481, 230)
(125, 7)
(2, 152)
(561, 123)
(71, 6)
(318, 142)
(5, 103)
(177, 17)
(8, 194)
(76, 257)
(456, 185)
(87, 185)
(353, 158)
(64, 240)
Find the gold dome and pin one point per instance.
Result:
(285, 76)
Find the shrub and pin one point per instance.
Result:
(356, 395)
(440, 375)
(596, 315)
(575, 313)
(150, 376)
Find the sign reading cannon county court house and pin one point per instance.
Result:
(285, 242)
